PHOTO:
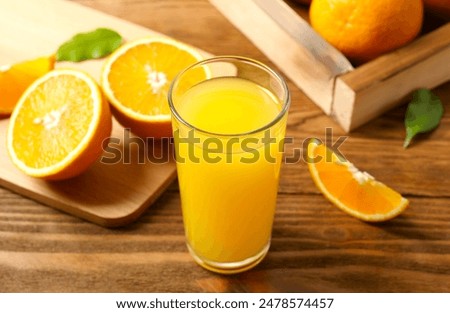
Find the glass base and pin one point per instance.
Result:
(230, 267)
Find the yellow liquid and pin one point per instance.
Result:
(228, 194)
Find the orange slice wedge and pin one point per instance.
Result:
(350, 189)
(136, 79)
(14, 79)
(59, 125)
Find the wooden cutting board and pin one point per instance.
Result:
(107, 194)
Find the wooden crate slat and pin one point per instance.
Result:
(387, 81)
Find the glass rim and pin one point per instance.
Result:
(224, 58)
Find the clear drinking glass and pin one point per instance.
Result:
(229, 118)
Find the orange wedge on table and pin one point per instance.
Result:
(136, 79)
(14, 79)
(59, 125)
(350, 189)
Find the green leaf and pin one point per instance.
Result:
(92, 45)
(423, 114)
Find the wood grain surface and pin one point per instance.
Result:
(315, 246)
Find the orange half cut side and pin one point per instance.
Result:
(59, 125)
(136, 80)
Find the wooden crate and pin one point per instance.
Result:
(353, 96)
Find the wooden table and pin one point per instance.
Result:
(315, 247)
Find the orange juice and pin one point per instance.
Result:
(228, 170)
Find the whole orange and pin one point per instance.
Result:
(365, 29)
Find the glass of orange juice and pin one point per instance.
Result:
(229, 120)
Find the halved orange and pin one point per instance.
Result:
(59, 125)
(136, 79)
(14, 79)
(350, 189)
